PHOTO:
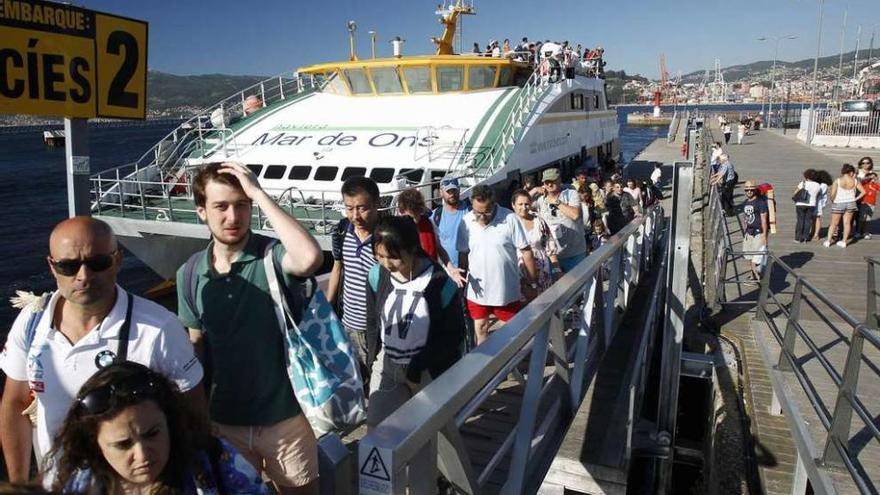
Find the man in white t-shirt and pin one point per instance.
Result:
(489, 237)
(81, 330)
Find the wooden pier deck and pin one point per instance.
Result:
(841, 274)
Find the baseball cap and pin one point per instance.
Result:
(550, 174)
(447, 184)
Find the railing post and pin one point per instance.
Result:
(280, 88)
(121, 198)
(871, 316)
(841, 420)
(786, 351)
(263, 93)
(611, 295)
(765, 290)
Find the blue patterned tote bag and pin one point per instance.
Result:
(320, 360)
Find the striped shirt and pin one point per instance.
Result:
(357, 259)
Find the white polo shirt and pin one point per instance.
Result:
(493, 272)
(55, 369)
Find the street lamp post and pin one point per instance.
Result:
(812, 119)
(776, 39)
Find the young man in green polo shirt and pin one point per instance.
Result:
(252, 403)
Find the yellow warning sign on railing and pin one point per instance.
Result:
(61, 60)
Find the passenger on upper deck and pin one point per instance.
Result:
(252, 104)
(488, 240)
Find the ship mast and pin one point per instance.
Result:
(449, 17)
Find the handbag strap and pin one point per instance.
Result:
(282, 312)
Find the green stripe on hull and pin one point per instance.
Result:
(486, 116)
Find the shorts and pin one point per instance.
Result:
(866, 212)
(848, 207)
(568, 264)
(503, 313)
(286, 451)
(754, 243)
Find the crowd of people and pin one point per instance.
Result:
(115, 394)
(558, 54)
(852, 197)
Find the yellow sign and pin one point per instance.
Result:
(61, 60)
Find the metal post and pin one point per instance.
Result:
(280, 87)
(119, 193)
(765, 289)
(76, 145)
(786, 352)
(871, 316)
(263, 93)
(811, 128)
(841, 420)
(799, 484)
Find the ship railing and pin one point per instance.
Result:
(523, 108)
(405, 451)
(145, 194)
(209, 128)
(784, 296)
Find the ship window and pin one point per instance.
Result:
(382, 175)
(299, 172)
(481, 76)
(275, 172)
(326, 173)
(387, 80)
(255, 168)
(353, 172)
(577, 102)
(504, 80)
(596, 97)
(418, 79)
(412, 174)
(358, 82)
(336, 84)
(450, 78)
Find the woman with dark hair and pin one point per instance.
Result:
(845, 193)
(415, 320)
(129, 431)
(824, 179)
(541, 238)
(805, 206)
(411, 204)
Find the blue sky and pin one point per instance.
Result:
(272, 36)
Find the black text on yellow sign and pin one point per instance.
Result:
(61, 60)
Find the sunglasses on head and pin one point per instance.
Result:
(102, 399)
(97, 263)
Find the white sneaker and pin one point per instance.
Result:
(867, 237)
(826, 244)
(840, 244)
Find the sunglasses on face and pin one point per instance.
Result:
(102, 399)
(97, 263)
(750, 190)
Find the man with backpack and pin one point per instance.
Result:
(448, 216)
(224, 299)
(60, 340)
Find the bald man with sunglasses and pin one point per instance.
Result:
(86, 324)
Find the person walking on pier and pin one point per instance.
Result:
(740, 133)
(488, 240)
(806, 193)
(561, 209)
(755, 228)
(60, 340)
(448, 216)
(725, 129)
(415, 320)
(223, 298)
(845, 193)
(824, 179)
(541, 238)
(725, 179)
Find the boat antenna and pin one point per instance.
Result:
(449, 17)
(352, 27)
(373, 43)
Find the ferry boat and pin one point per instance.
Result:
(404, 121)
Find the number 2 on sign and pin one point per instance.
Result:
(118, 96)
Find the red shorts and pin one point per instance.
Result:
(503, 313)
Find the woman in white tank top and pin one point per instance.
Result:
(845, 191)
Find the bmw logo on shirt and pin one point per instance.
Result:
(104, 359)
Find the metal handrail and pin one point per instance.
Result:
(837, 424)
(424, 433)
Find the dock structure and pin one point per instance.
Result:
(53, 138)
(809, 343)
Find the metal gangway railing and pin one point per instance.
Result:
(782, 298)
(208, 131)
(571, 324)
